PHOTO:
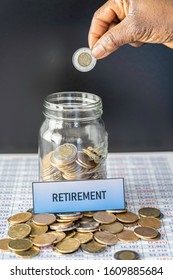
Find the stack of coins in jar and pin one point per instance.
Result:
(73, 139)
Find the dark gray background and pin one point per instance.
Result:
(37, 40)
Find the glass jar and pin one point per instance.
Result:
(73, 142)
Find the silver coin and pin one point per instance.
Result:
(83, 60)
(88, 226)
(64, 154)
(74, 226)
(126, 255)
(93, 247)
(68, 214)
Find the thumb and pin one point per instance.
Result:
(121, 34)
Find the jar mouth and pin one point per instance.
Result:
(65, 100)
(67, 104)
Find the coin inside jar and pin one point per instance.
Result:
(65, 153)
(85, 161)
(83, 60)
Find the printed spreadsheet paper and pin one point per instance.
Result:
(148, 179)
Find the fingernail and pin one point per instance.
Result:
(98, 51)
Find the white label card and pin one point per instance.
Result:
(72, 196)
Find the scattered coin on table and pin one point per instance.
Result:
(126, 255)
(91, 232)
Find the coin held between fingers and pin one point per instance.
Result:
(83, 60)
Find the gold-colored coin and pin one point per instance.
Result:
(85, 161)
(73, 226)
(46, 161)
(68, 246)
(93, 247)
(126, 255)
(127, 236)
(59, 220)
(59, 236)
(104, 218)
(84, 59)
(44, 219)
(36, 229)
(84, 237)
(19, 231)
(149, 211)
(128, 217)
(113, 228)
(64, 154)
(44, 239)
(4, 244)
(85, 219)
(32, 252)
(105, 237)
(19, 245)
(71, 216)
(117, 211)
(89, 214)
(68, 215)
(94, 156)
(70, 234)
(131, 224)
(19, 218)
(61, 226)
(145, 232)
(149, 222)
(155, 238)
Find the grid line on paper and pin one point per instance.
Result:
(148, 181)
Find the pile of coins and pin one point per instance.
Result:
(90, 232)
(66, 162)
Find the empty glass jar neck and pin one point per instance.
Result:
(72, 105)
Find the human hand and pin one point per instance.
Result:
(134, 22)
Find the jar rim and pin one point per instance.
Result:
(65, 100)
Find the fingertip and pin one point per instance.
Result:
(98, 51)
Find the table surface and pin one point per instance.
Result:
(148, 179)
